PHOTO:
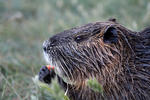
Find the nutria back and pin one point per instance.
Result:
(118, 58)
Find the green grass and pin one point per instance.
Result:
(25, 24)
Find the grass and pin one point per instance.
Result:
(25, 24)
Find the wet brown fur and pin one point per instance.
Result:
(122, 68)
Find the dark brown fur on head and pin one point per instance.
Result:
(117, 57)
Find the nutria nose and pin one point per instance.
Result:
(49, 44)
(45, 46)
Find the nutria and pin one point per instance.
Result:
(117, 57)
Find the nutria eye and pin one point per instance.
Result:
(79, 38)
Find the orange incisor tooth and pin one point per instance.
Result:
(49, 67)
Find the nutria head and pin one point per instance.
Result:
(104, 50)
(85, 51)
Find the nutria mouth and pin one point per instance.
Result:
(117, 57)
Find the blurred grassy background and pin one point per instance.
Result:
(25, 24)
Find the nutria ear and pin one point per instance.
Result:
(110, 35)
(112, 19)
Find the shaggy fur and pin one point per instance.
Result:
(116, 56)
